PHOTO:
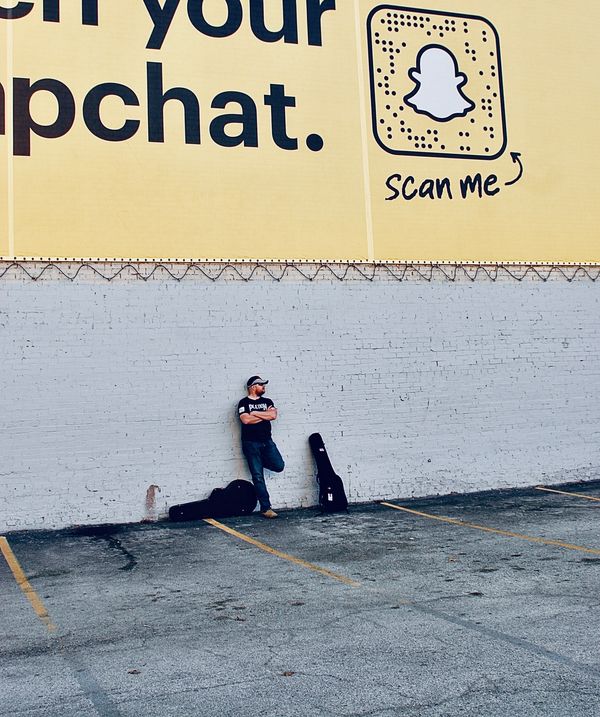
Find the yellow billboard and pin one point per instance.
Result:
(460, 130)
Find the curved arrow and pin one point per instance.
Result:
(516, 159)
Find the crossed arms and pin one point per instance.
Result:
(249, 419)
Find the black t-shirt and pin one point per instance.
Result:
(255, 431)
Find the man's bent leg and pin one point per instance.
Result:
(271, 457)
(252, 451)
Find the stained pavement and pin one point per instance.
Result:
(413, 616)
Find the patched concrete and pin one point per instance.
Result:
(175, 620)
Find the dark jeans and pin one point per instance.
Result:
(260, 456)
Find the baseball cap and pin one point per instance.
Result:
(255, 381)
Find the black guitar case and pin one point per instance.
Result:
(332, 496)
(238, 498)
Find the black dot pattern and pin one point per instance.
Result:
(397, 36)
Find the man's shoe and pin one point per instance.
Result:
(269, 514)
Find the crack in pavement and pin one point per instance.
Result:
(509, 639)
(116, 545)
(91, 688)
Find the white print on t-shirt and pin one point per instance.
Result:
(258, 407)
(254, 407)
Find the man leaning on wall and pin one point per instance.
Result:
(256, 413)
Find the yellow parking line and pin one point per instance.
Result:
(284, 556)
(564, 492)
(24, 584)
(508, 533)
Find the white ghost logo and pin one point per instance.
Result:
(438, 79)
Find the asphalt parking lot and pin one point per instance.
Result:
(379, 612)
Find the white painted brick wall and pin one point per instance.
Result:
(418, 388)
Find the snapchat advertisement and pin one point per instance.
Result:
(463, 131)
